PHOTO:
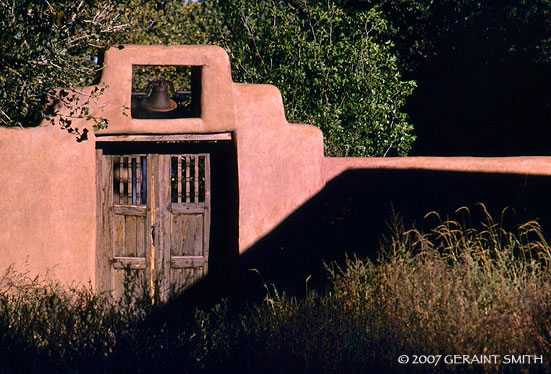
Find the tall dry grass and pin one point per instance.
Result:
(458, 289)
(468, 289)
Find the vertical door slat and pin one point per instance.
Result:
(206, 217)
(207, 181)
(179, 180)
(140, 236)
(130, 236)
(144, 180)
(138, 181)
(132, 166)
(129, 180)
(121, 177)
(115, 167)
(188, 192)
(196, 180)
(118, 236)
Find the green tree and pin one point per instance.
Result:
(477, 30)
(334, 69)
(483, 70)
(46, 45)
(166, 22)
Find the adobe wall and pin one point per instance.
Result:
(279, 164)
(50, 215)
(48, 204)
(529, 165)
(48, 207)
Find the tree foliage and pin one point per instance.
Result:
(166, 22)
(487, 31)
(481, 66)
(335, 69)
(45, 45)
(483, 70)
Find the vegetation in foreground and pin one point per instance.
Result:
(456, 290)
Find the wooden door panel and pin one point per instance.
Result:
(130, 242)
(140, 236)
(129, 235)
(129, 221)
(188, 262)
(130, 280)
(187, 235)
(188, 219)
(155, 220)
(180, 279)
(185, 262)
(119, 237)
(130, 180)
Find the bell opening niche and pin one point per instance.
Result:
(166, 92)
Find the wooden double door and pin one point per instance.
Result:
(154, 221)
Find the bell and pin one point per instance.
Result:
(159, 99)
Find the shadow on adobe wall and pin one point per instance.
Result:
(349, 216)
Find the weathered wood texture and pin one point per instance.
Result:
(164, 138)
(154, 221)
(122, 247)
(187, 220)
(104, 220)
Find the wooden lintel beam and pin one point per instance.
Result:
(164, 138)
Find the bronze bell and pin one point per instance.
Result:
(158, 99)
